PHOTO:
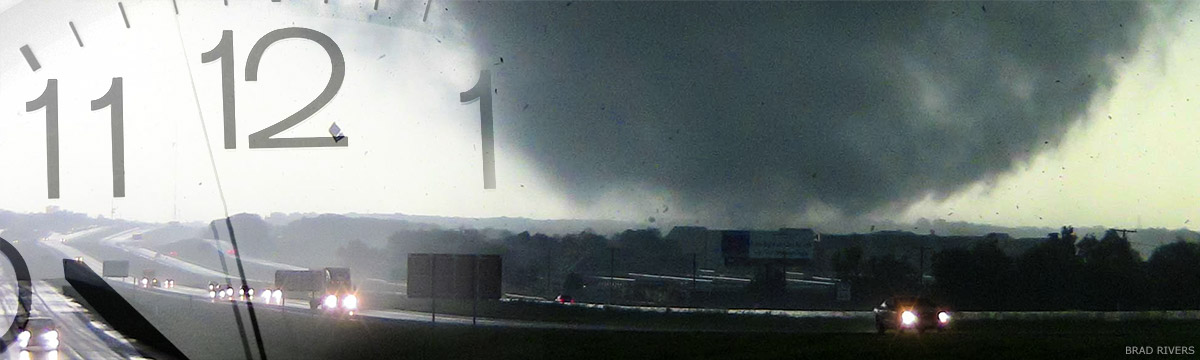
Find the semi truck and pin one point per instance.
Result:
(329, 289)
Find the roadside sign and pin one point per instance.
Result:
(786, 246)
(115, 268)
(843, 291)
(454, 276)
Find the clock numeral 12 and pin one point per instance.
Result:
(112, 100)
(263, 138)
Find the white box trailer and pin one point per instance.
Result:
(328, 288)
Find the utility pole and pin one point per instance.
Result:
(432, 289)
(1124, 232)
(921, 269)
(612, 273)
(694, 272)
(475, 289)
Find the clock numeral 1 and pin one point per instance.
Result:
(224, 51)
(483, 91)
(49, 101)
(113, 101)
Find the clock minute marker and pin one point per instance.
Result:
(29, 58)
(76, 32)
(123, 17)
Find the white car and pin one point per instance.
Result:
(39, 333)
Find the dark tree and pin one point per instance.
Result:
(977, 279)
(1174, 271)
(572, 283)
(1114, 277)
(847, 262)
(1048, 274)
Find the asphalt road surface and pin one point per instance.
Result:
(82, 335)
(203, 328)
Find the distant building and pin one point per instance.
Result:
(706, 243)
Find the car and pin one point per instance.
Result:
(38, 333)
(220, 292)
(245, 292)
(564, 299)
(272, 296)
(910, 312)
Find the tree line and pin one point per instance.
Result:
(1063, 272)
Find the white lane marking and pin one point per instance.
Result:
(77, 338)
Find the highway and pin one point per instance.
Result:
(124, 242)
(203, 328)
(82, 335)
(121, 240)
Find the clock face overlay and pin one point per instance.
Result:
(341, 178)
(178, 110)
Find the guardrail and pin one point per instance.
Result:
(837, 314)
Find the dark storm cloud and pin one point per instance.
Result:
(749, 110)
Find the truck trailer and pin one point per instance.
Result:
(329, 289)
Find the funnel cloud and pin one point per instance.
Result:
(739, 112)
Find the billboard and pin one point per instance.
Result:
(454, 276)
(786, 246)
(298, 280)
(115, 268)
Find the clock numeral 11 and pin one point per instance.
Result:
(112, 100)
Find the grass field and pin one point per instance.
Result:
(207, 330)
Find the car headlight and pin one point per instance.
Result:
(145, 281)
(908, 318)
(23, 338)
(50, 335)
(330, 302)
(251, 293)
(350, 302)
(278, 294)
(944, 317)
(212, 294)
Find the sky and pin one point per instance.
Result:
(720, 114)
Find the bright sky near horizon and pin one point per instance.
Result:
(1133, 161)
(415, 148)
